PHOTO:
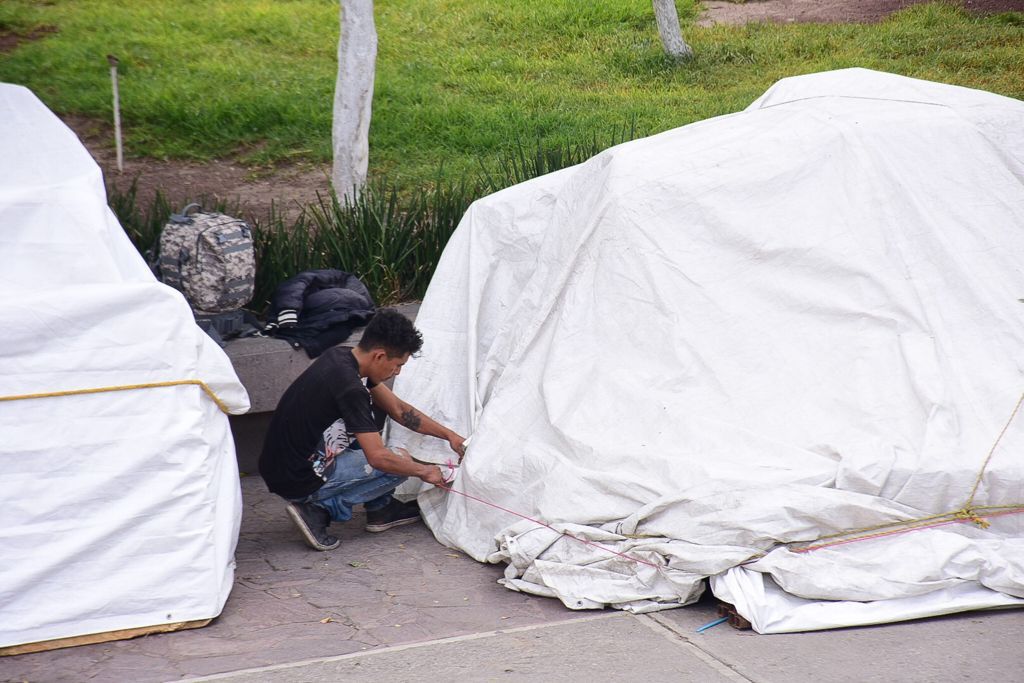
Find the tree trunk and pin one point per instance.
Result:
(668, 28)
(353, 96)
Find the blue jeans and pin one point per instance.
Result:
(351, 480)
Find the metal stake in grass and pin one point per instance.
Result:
(117, 113)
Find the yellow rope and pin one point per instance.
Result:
(909, 523)
(984, 466)
(967, 512)
(124, 387)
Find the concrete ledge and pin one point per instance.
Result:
(266, 367)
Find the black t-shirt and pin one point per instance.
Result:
(328, 390)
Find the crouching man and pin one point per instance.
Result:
(323, 451)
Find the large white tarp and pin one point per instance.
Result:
(118, 509)
(714, 347)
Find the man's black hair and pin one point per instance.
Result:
(393, 332)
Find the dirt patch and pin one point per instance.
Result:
(9, 40)
(828, 11)
(255, 190)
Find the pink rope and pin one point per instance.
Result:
(548, 526)
(658, 567)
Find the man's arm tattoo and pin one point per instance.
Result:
(411, 419)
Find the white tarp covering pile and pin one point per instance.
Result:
(118, 509)
(712, 347)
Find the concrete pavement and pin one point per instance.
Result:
(666, 647)
(398, 606)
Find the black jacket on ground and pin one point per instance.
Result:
(317, 309)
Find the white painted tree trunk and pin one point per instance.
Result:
(668, 28)
(353, 96)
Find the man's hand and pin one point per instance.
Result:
(458, 444)
(432, 475)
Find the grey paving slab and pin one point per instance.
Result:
(401, 591)
(290, 603)
(973, 646)
(612, 647)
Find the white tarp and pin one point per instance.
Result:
(118, 509)
(711, 347)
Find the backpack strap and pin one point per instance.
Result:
(183, 217)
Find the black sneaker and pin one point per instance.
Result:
(312, 521)
(391, 515)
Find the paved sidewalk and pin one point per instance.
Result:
(398, 606)
(666, 647)
(292, 603)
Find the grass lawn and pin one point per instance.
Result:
(458, 81)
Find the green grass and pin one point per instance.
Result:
(471, 96)
(458, 81)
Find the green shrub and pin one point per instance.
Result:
(390, 237)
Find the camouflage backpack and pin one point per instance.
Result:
(209, 258)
